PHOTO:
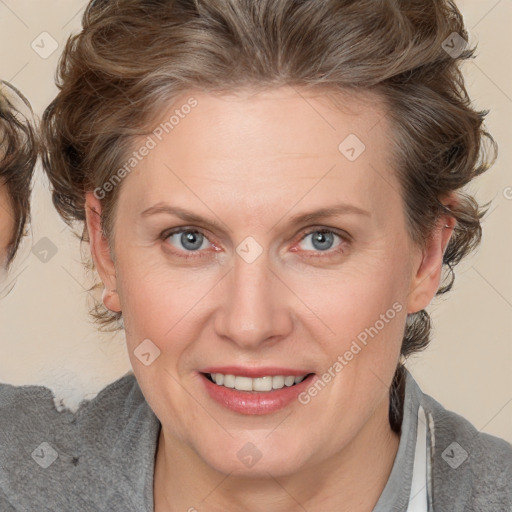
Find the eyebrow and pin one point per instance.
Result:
(322, 213)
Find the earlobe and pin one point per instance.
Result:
(425, 282)
(110, 300)
(100, 252)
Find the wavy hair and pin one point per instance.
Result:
(19, 148)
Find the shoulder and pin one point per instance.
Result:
(471, 470)
(23, 408)
(75, 458)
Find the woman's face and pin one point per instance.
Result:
(252, 290)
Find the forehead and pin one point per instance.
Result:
(278, 119)
(268, 146)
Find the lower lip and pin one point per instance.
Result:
(255, 402)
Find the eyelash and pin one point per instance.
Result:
(203, 254)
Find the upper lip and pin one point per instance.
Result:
(255, 372)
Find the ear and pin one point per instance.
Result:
(425, 282)
(100, 252)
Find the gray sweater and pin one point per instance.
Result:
(101, 458)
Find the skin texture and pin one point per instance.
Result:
(251, 162)
(6, 226)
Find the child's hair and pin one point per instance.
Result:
(18, 155)
(134, 56)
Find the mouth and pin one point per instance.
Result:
(265, 392)
(263, 384)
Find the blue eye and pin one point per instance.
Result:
(322, 239)
(190, 242)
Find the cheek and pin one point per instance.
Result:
(6, 229)
(362, 313)
(158, 303)
(368, 291)
(367, 319)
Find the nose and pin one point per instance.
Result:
(255, 309)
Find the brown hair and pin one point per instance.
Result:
(18, 156)
(133, 57)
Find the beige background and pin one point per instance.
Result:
(46, 337)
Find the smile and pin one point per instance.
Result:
(258, 395)
(267, 383)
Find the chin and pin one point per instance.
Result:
(245, 456)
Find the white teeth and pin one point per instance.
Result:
(243, 383)
(289, 381)
(262, 384)
(258, 384)
(278, 382)
(229, 381)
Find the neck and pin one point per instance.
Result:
(352, 479)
